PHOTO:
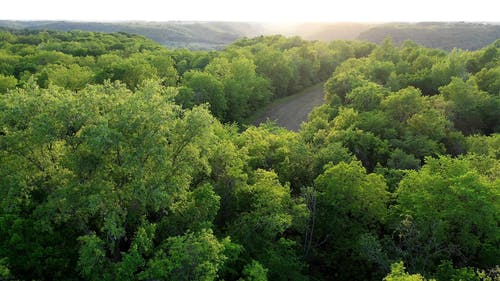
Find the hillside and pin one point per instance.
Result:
(467, 36)
(322, 31)
(191, 35)
(217, 35)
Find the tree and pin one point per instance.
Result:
(447, 210)
(7, 82)
(97, 180)
(254, 272)
(403, 104)
(398, 273)
(277, 67)
(267, 210)
(469, 105)
(341, 83)
(194, 256)
(351, 206)
(271, 148)
(367, 97)
(488, 80)
(207, 89)
(244, 90)
(72, 77)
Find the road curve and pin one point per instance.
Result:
(293, 110)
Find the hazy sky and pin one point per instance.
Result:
(253, 10)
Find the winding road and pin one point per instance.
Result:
(291, 111)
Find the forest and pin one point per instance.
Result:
(197, 35)
(121, 159)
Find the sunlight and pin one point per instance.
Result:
(255, 11)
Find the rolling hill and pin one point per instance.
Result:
(217, 35)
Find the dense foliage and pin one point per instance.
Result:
(174, 34)
(235, 82)
(217, 35)
(120, 160)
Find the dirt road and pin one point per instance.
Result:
(291, 111)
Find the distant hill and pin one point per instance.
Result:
(192, 35)
(468, 36)
(322, 31)
(217, 35)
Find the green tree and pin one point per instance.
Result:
(398, 273)
(254, 272)
(267, 210)
(403, 104)
(469, 105)
(447, 210)
(207, 89)
(244, 90)
(350, 205)
(7, 82)
(367, 97)
(72, 77)
(87, 174)
(194, 256)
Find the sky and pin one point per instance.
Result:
(253, 10)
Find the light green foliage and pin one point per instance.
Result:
(380, 72)
(73, 77)
(342, 83)
(268, 208)
(348, 189)
(254, 272)
(207, 89)
(349, 208)
(166, 71)
(101, 160)
(7, 82)
(484, 145)
(133, 71)
(430, 123)
(267, 211)
(488, 80)
(366, 146)
(269, 147)
(5, 272)
(194, 256)
(367, 97)
(448, 210)
(453, 65)
(386, 52)
(197, 209)
(446, 271)
(113, 165)
(244, 89)
(398, 273)
(403, 104)
(278, 67)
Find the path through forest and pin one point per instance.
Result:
(291, 111)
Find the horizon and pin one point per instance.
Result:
(252, 22)
(259, 11)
